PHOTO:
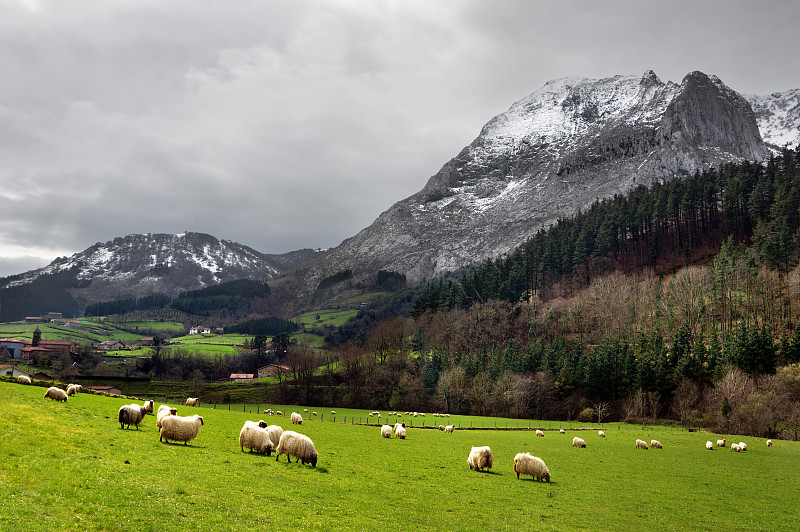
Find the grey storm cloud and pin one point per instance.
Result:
(285, 124)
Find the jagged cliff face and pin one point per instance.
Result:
(778, 116)
(558, 150)
(144, 264)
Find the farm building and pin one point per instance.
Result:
(272, 370)
(200, 330)
(110, 345)
(12, 346)
(13, 371)
(241, 376)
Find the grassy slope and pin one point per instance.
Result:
(69, 466)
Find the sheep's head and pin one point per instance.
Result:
(262, 424)
(546, 476)
(313, 458)
(173, 411)
(200, 418)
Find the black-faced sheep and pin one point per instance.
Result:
(400, 432)
(449, 428)
(720, 443)
(641, 444)
(192, 401)
(386, 431)
(255, 437)
(578, 442)
(297, 419)
(441, 427)
(655, 444)
(742, 445)
(525, 464)
(148, 406)
(540, 433)
(562, 431)
(601, 433)
(769, 443)
(72, 389)
(131, 415)
(709, 445)
(480, 457)
(24, 379)
(56, 394)
(177, 428)
(735, 447)
(164, 411)
(297, 445)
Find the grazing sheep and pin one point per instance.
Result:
(525, 464)
(441, 427)
(449, 428)
(641, 444)
(148, 405)
(56, 394)
(72, 389)
(480, 457)
(297, 419)
(255, 437)
(297, 445)
(601, 433)
(164, 411)
(769, 443)
(398, 425)
(386, 431)
(24, 379)
(333, 412)
(192, 401)
(400, 433)
(539, 433)
(720, 443)
(274, 432)
(177, 428)
(742, 445)
(131, 415)
(314, 414)
(305, 410)
(709, 445)
(562, 431)
(655, 444)
(578, 442)
(735, 447)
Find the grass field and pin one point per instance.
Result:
(69, 466)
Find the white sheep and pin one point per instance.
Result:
(441, 427)
(655, 444)
(297, 419)
(131, 415)
(305, 410)
(742, 445)
(398, 425)
(480, 457)
(400, 433)
(177, 428)
(148, 406)
(255, 437)
(525, 464)
(769, 443)
(641, 444)
(578, 442)
(735, 447)
(192, 401)
(601, 433)
(278, 413)
(562, 431)
(56, 394)
(449, 428)
(297, 445)
(314, 414)
(24, 379)
(72, 389)
(720, 443)
(539, 433)
(386, 431)
(709, 445)
(333, 412)
(274, 432)
(164, 411)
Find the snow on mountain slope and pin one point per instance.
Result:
(778, 117)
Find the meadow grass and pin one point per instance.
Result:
(69, 466)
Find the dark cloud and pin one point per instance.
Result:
(286, 124)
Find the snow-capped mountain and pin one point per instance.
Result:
(144, 264)
(778, 116)
(556, 151)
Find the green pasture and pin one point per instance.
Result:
(322, 317)
(69, 466)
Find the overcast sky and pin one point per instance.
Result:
(291, 124)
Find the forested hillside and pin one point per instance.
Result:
(681, 300)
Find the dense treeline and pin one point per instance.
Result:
(123, 306)
(334, 279)
(390, 280)
(231, 298)
(242, 288)
(662, 227)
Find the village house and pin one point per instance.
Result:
(12, 347)
(110, 345)
(200, 330)
(110, 390)
(13, 371)
(241, 376)
(147, 342)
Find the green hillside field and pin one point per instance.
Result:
(69, 466)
